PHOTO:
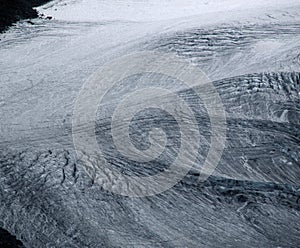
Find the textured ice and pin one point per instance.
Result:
(249, 50)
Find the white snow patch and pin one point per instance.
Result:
(150, 10)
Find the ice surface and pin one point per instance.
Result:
(250, 50)
(152, 10)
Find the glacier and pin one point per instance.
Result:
(249, 51)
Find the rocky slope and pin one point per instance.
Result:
(14, 10)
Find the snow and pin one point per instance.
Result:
(152, 10)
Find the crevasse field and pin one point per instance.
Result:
(249, 50)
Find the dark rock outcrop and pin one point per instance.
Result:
(12, 11)
(9, 241)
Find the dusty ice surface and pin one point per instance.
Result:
(251, 52)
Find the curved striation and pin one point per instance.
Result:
(253, 197)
